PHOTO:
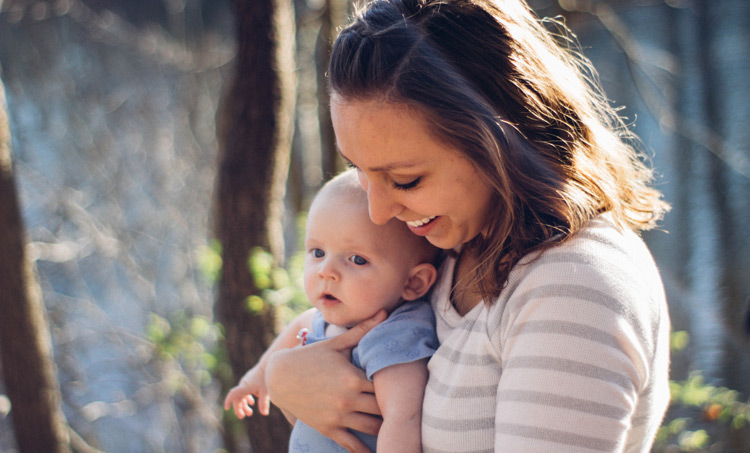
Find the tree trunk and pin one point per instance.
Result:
(255, 134)
(25, 346)
(333, 16)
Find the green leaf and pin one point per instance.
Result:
(679, 340)
(209, 261)
(254, 304)
(693, 440)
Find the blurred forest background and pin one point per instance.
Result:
(163, 152)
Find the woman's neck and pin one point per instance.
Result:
(465, 294)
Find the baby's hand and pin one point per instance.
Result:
(240, 397)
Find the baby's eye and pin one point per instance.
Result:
(358, 260)
(318, 253)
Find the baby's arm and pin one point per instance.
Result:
(240, 397)
(399, 390)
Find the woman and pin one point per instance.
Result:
(467, 120)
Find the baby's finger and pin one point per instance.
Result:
(264, 404)
(244, 406)
(239, 411)
(230, 399)
(234, 395)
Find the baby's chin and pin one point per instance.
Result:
(337, 326)
(336, 319)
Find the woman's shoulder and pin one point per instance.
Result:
(602, 269)
(602, 250)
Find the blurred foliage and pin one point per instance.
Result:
(209, 261)
(188, 340)
(280, 287)
(699, 411)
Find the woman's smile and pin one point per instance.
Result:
(419, 223)
(422, 227)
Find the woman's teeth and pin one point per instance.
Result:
(419, 223)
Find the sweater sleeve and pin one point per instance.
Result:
(577, 340)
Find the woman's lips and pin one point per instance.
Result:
(422, 227)
(421, 222)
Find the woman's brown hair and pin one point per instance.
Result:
(519, 102)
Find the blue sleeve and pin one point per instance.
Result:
(406, 336)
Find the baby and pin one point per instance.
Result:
(353, 269)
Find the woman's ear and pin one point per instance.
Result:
(421, 278)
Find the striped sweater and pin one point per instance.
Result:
(572, 356)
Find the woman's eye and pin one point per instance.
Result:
(408, 185)
(318, 253)
(351, 165)
(358, 260)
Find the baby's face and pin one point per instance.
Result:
(353, 268)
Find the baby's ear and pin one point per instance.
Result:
(421, 278)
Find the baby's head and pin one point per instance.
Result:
(354, 268)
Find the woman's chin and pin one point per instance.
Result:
(442, 242)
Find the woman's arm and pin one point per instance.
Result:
(399, 390)
(320, 386)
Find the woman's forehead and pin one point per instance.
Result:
(381, 137)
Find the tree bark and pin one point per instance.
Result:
(333, 16)
(25, 346)
(255, 135)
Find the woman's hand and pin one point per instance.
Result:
(320, 386)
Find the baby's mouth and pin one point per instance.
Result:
(330, 297)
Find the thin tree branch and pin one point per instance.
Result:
(639, 56)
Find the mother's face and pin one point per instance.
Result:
(410, 175)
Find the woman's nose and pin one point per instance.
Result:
(381, 204)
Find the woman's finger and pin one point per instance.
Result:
(366, 403)
(364, 423)
(351, 337)
(349, 441)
